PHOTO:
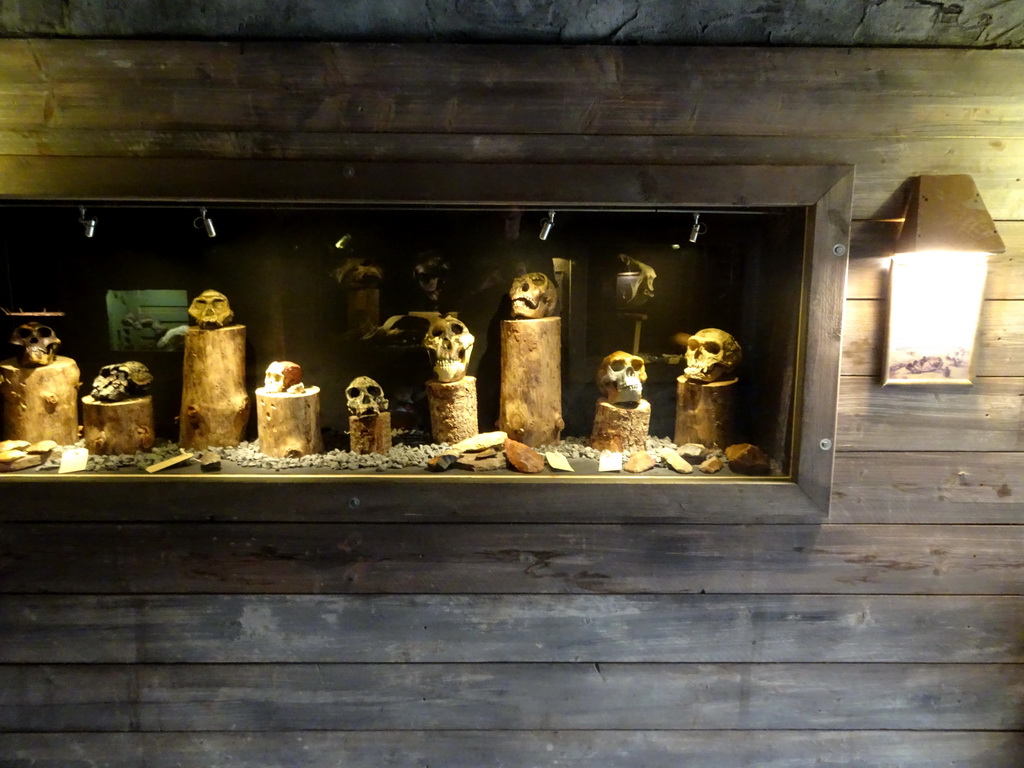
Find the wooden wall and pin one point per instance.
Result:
(892, 634)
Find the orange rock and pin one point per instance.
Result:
(639, 461)
(747, 459)
(712, 465)
(523, 458)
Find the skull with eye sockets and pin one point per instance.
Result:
(284, 376)
(711, 355)
(450, 345)
(210, 309)
(365, 397)
(534, 295)
(121, 381)
(621, 378)
(39, 344)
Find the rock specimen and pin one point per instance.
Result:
(711, 465)
(523, 458)
(639, 461)
(747, 459)
(676, 462)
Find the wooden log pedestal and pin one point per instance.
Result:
(705, 413)
(40, 403)
(370, 434)
(214, 403)
(618, 428)
(453, 409)
(111, 429)
(531, 381)
(289, 423)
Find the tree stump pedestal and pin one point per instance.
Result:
(453, 409)
(618, 428)
(531, 381)
(214, 403)
(40, 403)
(289, 423)
(124, 427)
(705, 413)
(370, 434)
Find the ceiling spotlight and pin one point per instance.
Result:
(546, 225)
(206, 222)
(88, 224)
(698, 228)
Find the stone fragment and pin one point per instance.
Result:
(639, 461)
(209, 461)
(712, 465)
(14, 445)
(13, 460)
(676, 462)
(692, 450)
(41, 448)
(479, 442)
(441, 462)
(482, 461)
(523, 458)
(747, 459)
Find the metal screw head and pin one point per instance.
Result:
(353, 503)
(349, 171)
(825, 444)
(839, 249)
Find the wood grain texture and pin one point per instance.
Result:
(982, 417)
(508, 559)
(929, 487)
(288, 629)
(523, 749)
(251, 697)
(999, 350)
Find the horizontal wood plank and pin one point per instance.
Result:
(984, 417)
(928, 487)
(872, 244)
(506, 559)
(254, 697)
(999, 350)
(523, 749)
(174, 629)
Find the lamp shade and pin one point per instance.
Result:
(946, 213)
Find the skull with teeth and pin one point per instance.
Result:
(211, 309)
(39, 342)
(284, 376)
(121, 381)
(365, 397)
(621, 377)
(534, 295)
(711, 354)
(450, 344)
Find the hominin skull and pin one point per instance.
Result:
(365, 397)
(711, 354)
(621, 378)
(450, 345)
(284, 376)
(210, 309)
(39, 342)
(121, 381)
(534, 295)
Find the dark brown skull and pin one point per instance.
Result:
(39, 342)
(121, 381)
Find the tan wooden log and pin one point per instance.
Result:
(289, 424)
(705, 413)
(214, 403)
(531, 381)
(453, 409)
(117, 428)
(617, 428)
(40, 403)
(370, 434)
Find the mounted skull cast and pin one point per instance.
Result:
(711, 355)
(365, 397)
(121, 381)
(210, 309)
(284, 376)
(39, 342)
(621, 378)
(534, 295)
(450, 345)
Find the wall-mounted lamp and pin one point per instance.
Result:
(207, 223)
(698, 229)
(88, 224)
(546, 225)
(937, 282)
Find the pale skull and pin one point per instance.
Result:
(39, 342)
(711, 354)
(534, 295)
(450, 345)
(621, 378)
(365, 397)
(211, 309)
(121, 381)
(283, 376)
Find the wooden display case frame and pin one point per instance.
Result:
(823, 191)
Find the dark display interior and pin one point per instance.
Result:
(288, 272)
